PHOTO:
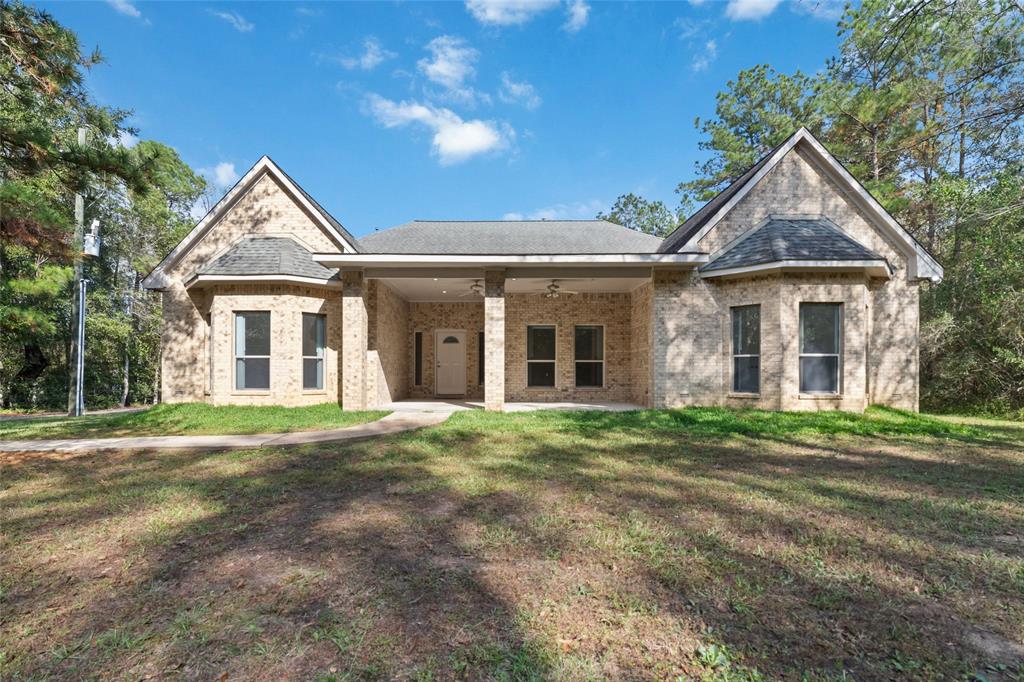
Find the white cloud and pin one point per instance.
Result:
(702, 60)
(518, 92)
(579, 13)
(373, 56)
(507, 12)
(827, 10)
(221, 176)
(750, 9)
(454, 139)
(126, 7)
(451, 62)
(577, 210)
(126, 139)
(237, 21)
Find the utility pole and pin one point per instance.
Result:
(75, 397)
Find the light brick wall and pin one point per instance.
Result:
(354, 344)
(266, 209)
(641, 343)
(183, 376)
(387, 350)
(610, 310)
(428, 317)
(286, 305)
(494, 340)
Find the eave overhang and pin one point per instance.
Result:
(872, 268)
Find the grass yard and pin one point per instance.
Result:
(191, 419)
(688, 544)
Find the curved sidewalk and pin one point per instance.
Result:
(396, 422)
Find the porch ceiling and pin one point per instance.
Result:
(457, 289)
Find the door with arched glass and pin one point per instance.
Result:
(450, 361)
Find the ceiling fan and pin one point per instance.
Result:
(554, 290)
(474, 288)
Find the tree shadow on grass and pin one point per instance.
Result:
(509, 547)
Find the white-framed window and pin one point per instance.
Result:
(314, 328)
(746, 349)
(540, 356)
(588, 354)
(252, 351)
(821, 336)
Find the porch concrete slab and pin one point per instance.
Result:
(599, 406)
(450, 406)
(396, 422)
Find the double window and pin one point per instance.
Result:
(746, 349)
(820, 347)
(540, 356)
(313, 335)
(589, 356)
(252, 351)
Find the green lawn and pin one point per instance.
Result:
(687, 544)
(186, 419)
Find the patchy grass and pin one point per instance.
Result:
(694, 544)
(187, 419)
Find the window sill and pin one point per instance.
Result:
(255, 391)
(542, 388)
(747, 396)
(313, 391)
(820, 396)
(591, 388)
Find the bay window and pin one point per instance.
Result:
(252, 351)
(820, 347)
(746, 349)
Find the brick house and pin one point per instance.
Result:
(792, 289)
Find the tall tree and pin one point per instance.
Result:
(642, 215)
(756, 111)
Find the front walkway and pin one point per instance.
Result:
(406, 415)
(397, 422)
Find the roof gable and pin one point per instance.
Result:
(158, 278)
(687, 236)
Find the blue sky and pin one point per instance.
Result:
(387, 112)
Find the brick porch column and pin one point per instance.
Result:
(354, 321)
(494, 340)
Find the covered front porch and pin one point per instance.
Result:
(440, 405)
(514, 338)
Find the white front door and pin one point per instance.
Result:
(450, 352)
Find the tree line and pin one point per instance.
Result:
(923, 103)
(140, 192)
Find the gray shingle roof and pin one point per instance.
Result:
(268, 256)
(509, 237)
(790, 239)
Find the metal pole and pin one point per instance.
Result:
(75, 397)
(80, 368)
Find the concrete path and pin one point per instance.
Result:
(397, 422)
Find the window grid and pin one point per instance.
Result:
(597, 380)
(313, 381)
(745, 339)
(243, 358)
(535, 365)
(837, 335)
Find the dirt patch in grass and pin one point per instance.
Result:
(538, 546)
